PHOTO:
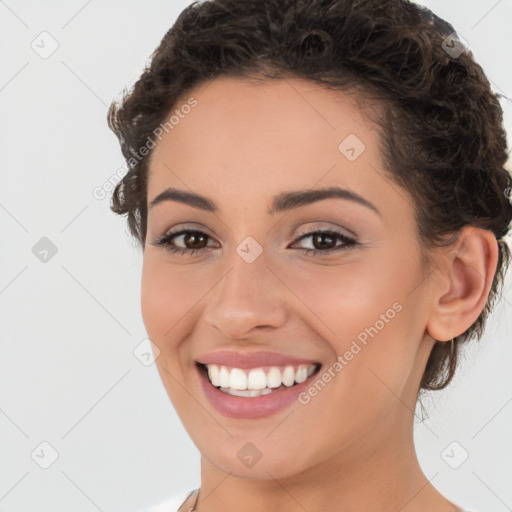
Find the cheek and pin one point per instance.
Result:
(366, 313)
(164, 313)
(160, 304)
(348, 298)
(151, 300)
(171, 300)
(162, 293)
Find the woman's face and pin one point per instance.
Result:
(250, 283)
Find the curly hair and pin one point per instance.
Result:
(441, 128)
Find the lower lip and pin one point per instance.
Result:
(251, 407)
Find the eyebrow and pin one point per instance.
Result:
(282, 202)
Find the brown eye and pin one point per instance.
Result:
(326, 241)
(193, 240)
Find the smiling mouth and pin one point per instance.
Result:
(256, 381)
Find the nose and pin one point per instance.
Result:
(248, 298)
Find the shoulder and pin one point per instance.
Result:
(172, 504)
(176, 501)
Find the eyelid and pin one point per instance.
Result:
(302, 232)
(342, 231)
(187, 227)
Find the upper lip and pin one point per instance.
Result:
(235, 359)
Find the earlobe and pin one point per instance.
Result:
(468, 267)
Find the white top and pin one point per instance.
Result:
(174, 503)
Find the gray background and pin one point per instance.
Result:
(69, 326)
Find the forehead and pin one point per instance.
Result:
(261, 134)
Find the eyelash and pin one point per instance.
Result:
(165, 241)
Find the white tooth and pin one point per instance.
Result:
(237, 379)
(288, 376)
(224, 377)
(257, 379)
(301, 375)
(213, 373)
(273, 377)
(248, 393)
(236, 392)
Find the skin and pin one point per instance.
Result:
(351, 447)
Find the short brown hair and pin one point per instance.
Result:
(442, 133)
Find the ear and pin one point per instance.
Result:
(464, 276)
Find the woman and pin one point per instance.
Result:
(319, 191)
